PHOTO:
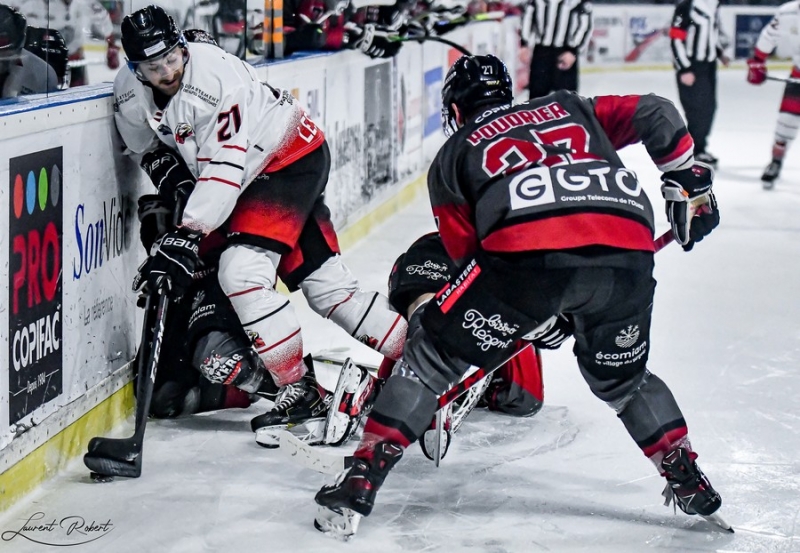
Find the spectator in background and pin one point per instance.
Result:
(697, 44)
(74, 19)
(21, 72)
(558, 30)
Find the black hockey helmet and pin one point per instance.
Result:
(13, 27)
(472, 83)
(148, 34)
(50, 46)
(199, 35)
(424, 268)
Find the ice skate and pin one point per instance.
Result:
(352, 496)
(689, 489)
(771, 173)
(300, 408)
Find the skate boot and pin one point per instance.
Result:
(300, 408)
(689, 489)
(771, 173)
(352, 496)
(705, 157)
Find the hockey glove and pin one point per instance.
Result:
(154, 216)
(169, 173)
(112, 53)
(172, 263)
(756, 71)
(558, 329)
(691, 206)
(377, 42)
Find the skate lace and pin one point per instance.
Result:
(290, 395)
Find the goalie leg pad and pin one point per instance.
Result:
(352, 399)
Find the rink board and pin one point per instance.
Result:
(71, 234)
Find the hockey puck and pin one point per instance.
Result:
(100, 478)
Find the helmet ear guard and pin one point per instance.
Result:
(472, 83)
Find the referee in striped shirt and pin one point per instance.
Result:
(557, 30)
(697, 44)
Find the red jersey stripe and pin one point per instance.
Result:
(572, 231)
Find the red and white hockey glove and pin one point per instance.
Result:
(691, 206)
(757, 68)
(112, 53)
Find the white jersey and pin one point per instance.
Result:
(27, 75)
(784, 23)
(74, 21)
(227, 126)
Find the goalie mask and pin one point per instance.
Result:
(424, 268)
(473, 83)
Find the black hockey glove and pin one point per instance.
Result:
(557, 329)
(169, 173)
(691, 206)
(376, 42)
(171, 264)
(155, 218)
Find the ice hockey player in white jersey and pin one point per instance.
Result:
(784, 23)
(258, 165)
(75, 20)
(21, 72)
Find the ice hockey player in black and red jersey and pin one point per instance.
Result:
(541, 216)
(257, 167)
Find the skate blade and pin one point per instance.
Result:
(717, 520)
(311, 432)
(342, 526)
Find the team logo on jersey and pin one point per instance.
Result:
(165, 130)
(430, 270)
(531, 188)
(490, 332)
(182, 132)
(627, 336)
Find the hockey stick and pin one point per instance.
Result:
(787, 80)
(327, 463)
(110, 457)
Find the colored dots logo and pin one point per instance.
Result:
(42, 188)
(30, 192)
(55, 185)
(19, 196)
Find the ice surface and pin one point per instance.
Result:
(725, 337)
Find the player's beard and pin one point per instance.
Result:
(172, 84)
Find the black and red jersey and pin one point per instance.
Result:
(545, 174)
